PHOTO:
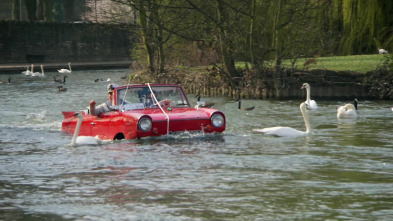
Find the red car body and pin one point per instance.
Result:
(136, 114)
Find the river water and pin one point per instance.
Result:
(344, 170)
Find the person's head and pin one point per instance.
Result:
(110, 95)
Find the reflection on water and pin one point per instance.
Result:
(343, 170)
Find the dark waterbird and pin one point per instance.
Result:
(203, 104)
(59, 80)
(239, 107)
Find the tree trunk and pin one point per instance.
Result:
(276, 46)
(144, 33)
(68, 10)
(16, 12)
(225, 44)
(31, 8)
(47, 7)
(40, 11)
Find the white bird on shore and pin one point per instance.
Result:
(66, 71)
(382, 51)
(288, 131)
(348, 111)
(82, 140)
(311, 104)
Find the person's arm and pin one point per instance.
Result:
(93, 107)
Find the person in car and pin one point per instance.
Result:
(102, 108)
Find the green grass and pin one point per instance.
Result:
(357, 63)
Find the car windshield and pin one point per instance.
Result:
(140, 97)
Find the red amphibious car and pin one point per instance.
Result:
(146, 110)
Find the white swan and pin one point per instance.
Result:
(27, 72)
(66, 71)
(288, 131)
(82, 140)
(348, 111)
(38, 74)
(311, 104)
(32, 71)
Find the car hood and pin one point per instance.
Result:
(174, 113)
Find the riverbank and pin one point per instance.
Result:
(96, 65)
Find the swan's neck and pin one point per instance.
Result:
(76, 132)
(42, 70)
(308, 95)
(69, 66)
(306, 121)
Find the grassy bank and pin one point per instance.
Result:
(357, 63)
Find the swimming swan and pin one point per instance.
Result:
(66, 71)
(38, 74)
(288, 131)
(348, 110)
(27, 72)
(82, 140)
(311, 104)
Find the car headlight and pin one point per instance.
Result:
(217, 120)
(144, 124)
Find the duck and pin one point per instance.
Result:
(348, 111)
(82, 140)
(66, 71)
(289, 131)
(311, 104)
(61, 88)
(246, 108)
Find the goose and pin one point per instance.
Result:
(288, 131)
(66, 71)
(82, 140)
(246, 108)
(203, 103)
(9, 81)
(348, 110)
(382, 51)
(55, 80)
(38, 74)
(61, 88)
(311, 104)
